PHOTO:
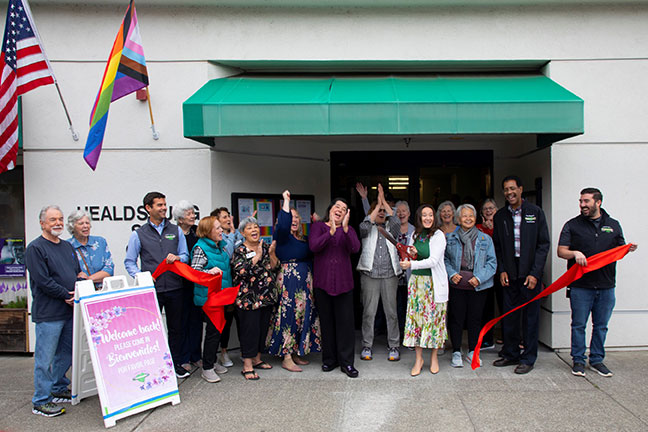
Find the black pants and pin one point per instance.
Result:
(171, 303)
(192, 326)
(254, 330)
(210, 345)
(514, 295)
(465, 307)
(338, 331)
(493, 297)
(231, 315)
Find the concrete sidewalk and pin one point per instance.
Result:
(384, 397)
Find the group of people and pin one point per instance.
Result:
(433, 277)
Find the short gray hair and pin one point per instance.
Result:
(247, 221)
(74, 217)
(464, 206)
(447, 203)
(402, 203)
(41, 215)
(180, 209)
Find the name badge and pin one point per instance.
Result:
(170, 236)
(250, 255)
(530, 218)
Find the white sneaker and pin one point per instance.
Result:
(220, 369)
(470, 356)
(457, 361)
(225, 360)
(210, 376)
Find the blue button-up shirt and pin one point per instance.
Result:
(135, 246)
(94, 256)
(232, 240)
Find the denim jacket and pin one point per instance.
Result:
(485, 260)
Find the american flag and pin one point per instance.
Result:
(24, 68)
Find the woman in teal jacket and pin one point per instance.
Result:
(209, 255)
(471, 264)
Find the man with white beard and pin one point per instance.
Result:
(53, 271)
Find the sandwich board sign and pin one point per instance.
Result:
(121, 329)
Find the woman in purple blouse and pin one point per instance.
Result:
(332, 242)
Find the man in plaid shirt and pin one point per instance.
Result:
(522, 244)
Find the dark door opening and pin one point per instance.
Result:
(414, 176)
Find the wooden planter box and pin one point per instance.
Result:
(14, 328)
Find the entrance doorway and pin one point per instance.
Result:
(417, 177)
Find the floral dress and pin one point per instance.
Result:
(425, 323)
(295, 327)
(257, 281)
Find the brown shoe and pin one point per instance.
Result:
(501, 362)
(522, 369)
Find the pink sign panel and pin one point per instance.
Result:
(131, 356)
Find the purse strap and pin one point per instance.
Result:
(83, 259)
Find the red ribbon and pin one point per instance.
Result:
(217, 299)
(575, 272)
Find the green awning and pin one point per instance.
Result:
(278, 105)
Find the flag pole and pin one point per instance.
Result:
(156, 135)
(75, 136)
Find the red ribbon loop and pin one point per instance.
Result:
(217, 298)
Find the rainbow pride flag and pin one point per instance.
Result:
(125, 73)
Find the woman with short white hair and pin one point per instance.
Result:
(470, 263)
(92, 252)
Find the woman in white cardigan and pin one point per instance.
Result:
(427, 293)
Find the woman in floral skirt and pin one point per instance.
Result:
(427, 293)
(295, 329)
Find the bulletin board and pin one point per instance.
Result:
(267, 207)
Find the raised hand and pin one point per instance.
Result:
(362, 190)
(331, 222)
(258, 253)
(345, 221)
(286, 202)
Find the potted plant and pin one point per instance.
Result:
(14, 325)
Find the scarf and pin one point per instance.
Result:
(468, 239)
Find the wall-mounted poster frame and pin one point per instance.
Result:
(267, 207)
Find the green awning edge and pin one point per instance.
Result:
(279, 105)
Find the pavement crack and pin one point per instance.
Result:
(472, 421)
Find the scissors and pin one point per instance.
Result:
(403, 251)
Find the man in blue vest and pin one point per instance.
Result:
(156, 241)
(592, 232)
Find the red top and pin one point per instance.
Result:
(485, 230)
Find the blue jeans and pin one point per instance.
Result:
(52, 359)
(600, 303)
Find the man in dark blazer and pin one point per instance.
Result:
(522, 244)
